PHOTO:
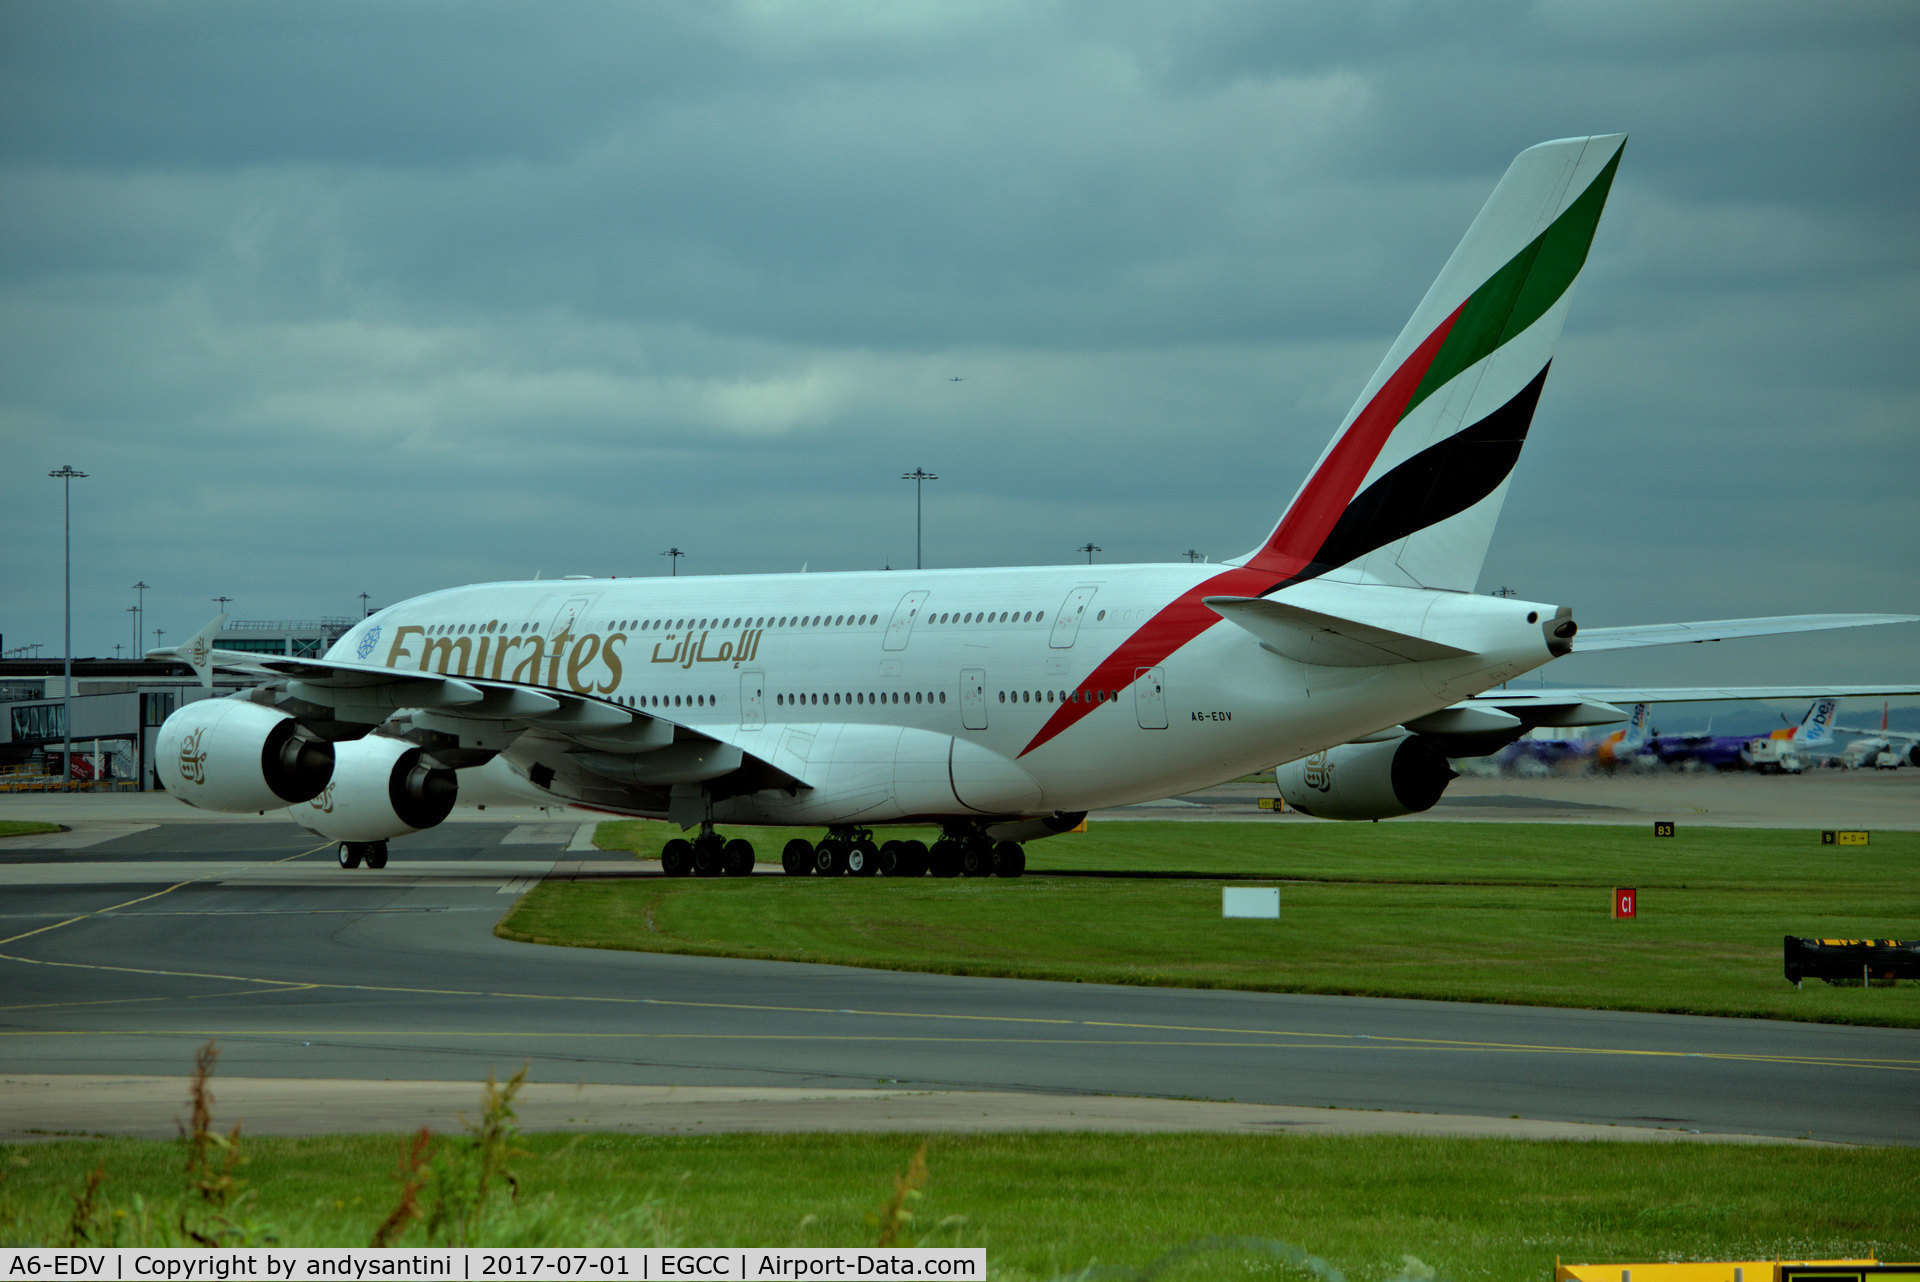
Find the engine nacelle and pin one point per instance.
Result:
(229, 754)
(381, 788)
(1366, 780)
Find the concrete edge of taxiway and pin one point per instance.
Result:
(50, 1107)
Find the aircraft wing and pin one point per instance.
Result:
(580, 748)
(1593, 640)
(1599, 705)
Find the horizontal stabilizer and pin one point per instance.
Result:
(1308, 636)
(1592, 640)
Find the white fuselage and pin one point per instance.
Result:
(920, 694)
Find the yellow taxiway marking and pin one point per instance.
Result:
(41, 930)
(1268, 1041)
(1217, 1036)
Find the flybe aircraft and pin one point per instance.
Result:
(998, 705)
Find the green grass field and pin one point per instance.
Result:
(23, 827)
(1043, 1205)
(1480, 912)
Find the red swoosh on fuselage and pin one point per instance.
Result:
(1289, 550)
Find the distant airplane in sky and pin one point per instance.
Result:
(996, 705)
(956, 379)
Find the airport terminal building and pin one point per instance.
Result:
(118, 704)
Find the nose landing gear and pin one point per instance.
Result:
(371, 853)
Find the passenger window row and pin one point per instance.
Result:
(1061, 696)
(794, 621)
(839, 698)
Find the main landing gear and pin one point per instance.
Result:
(372, 853)
(851, 852)
(708, 855)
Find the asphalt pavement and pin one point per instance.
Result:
(376, 1000)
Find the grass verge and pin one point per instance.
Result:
(24, 827)
(1048, 1204)
(1478, 912)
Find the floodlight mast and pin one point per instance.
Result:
(918, 475)
(140, 618)
(66, 476)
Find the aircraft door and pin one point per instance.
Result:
(1066, 624)
(567, 618)
(753, 700)
(973, 698)
(1150, 698)
(900, 627)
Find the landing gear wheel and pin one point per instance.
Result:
(889, 860)
(376, 854)
(676, 857)
(1009, 859)
(944, 858)
(863, 858)
(912, 860)
(976, 859)
(737, 855)
(706, 856)
(797, 859)
(830, 858)
(349, 854)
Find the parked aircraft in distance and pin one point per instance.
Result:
(1885, 749)
(1002, 704)
(1538, 750)
(1779, 752)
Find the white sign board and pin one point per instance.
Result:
(1250, 901)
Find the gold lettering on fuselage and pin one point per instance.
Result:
(398, 650)
(690, 649)
(444, 648)
(589, 663)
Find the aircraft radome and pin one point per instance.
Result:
(999, 704)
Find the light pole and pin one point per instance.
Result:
(673, 555)
(366, 611)
(134, 610)
(917, 476)
(1089, 547)
(221, 601)
(140, 618)
(66, 476)
(1192, 555)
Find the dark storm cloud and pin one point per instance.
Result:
(344, 297)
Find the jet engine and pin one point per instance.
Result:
(229, 754)
(381, 788)
(1367, 780)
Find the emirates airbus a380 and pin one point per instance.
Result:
(999, 704)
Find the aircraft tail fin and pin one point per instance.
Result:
(1817, 727)
(1409, 489)
(196, 652)
(1637, 725)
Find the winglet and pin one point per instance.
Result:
(197, 652)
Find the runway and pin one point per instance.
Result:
(123, 950)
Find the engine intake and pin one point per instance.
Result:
(229, 754)
(1367, 780)
(381, 788)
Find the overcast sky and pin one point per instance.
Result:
(338, 298)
